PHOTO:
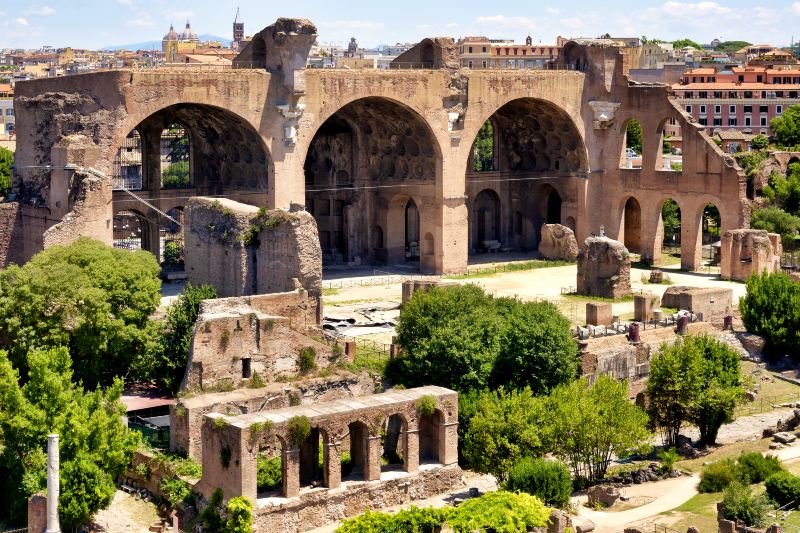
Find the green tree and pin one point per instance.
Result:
(505, 428)
(633, 136)
(771, 309)
(95, 447)
(6, 161)
(697, 380)
(176, 175)
(671, 215)
(729, 47)
(178, 143)
(588, 425)
(672, 388)
(240, 515)
(483, 154)
(740, 504)
(787, 127)
(683, 43)
(87, 296)
(549, 481)
(759, 142)
(171, 359)
(786, 189)
(776, 220)
(450, 337)
(536, 349)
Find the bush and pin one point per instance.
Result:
(463, 339)
(776, 220)
(783, 487)
(739, 503)
(175, 490)
(175, 176)
(500, 512)
(308, 359)
(752, 467)
(173, 253)
(299, 429)
(427, 405)
(668, 459)
(548, 480)
(771, 309)
(415, 519)
(717, 476)
(269, 475)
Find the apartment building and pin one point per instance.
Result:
(484, 53)
(742, 99)
(6, 110)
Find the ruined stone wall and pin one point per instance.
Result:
(712, 303)
(749, 251)
(263, 333)
(186, 417)
(242, 250)
(11, 245)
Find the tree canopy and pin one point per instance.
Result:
(6, 162)
(771, 309)
(461, 338)
(729, 47)
(483, 154)
(683, 43)
(696, 380)
(787, 127)
(95, 447)
(88, 297)
(633, 136)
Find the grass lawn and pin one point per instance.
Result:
(700, 512)
(578, 298)
(728, 451)
(491, 271)
(772, 392)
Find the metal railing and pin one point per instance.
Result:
(765, 404)
(20, 530)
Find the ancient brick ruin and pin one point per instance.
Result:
(749, 251)
(382, 160)
(604, 268)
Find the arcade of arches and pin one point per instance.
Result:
(178, 152)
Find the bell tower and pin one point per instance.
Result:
(238, 32)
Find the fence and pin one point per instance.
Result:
(21, 530)
(765, 404)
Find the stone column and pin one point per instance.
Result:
(290, 466)
(411, 453)
(691, 242)
(448, 442)
(333, 465)
(372, 465)
(53, 488)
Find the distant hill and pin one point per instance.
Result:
(156, 45)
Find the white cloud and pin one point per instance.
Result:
(141, 22)
(796, 8)
(504, 22)
(452, 25)
(352, 25)
(44, 11)
(21, 21)
(572, 23)
(688, 10)
(128, 3)
(179, 15)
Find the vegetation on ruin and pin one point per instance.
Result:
(265, 219)
(771, 309)
(483, 151)
(463, 339)
(170, 356)
(633, 136)
(178, 464)
(549, 481)
(739, 503)
(787, 127)
(427, 405)
(308, 359)
(299, 429)
(695, 381)
(88, 297)
(269, 475)
(175, 176)
(6, 162)
(95, 447)
(499, 512)
(175, 490)
(235, 517)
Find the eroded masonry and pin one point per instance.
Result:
(425, 165)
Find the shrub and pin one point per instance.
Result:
(753, 467)
(415, 519)
(308, 359)
(771, 309)
(548, 480)
(739, 503)
(173, 253)
(240, 515)
(427, 405)
(776, 220)
(783, 487)
(717, 476)
(175, 176)
(269, 475)
(299, 429)
(500, 512)
(668, 458)
(175, 490)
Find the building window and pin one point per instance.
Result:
(717, 109)
(702, 110)
(688, 109)
(763, 109)
(748, 109)
(778, 109)
(484, 49)
(470, 49)
(747, 121)
(763, 121)
(10, 112)
(732, 121)
(718, 122)
(703, 94)
(732, 109)
(484, 64)
(703, 121)
(469, 64)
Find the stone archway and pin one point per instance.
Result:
(486, 216)
(632, 226)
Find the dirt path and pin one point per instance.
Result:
(126, 514)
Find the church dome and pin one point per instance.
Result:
(187, 34)
(171, 35)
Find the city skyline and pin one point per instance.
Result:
(94, 25)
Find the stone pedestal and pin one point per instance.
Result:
(599, 314)
(604, 268)
(643, 306)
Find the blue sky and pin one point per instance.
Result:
(92, 24)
